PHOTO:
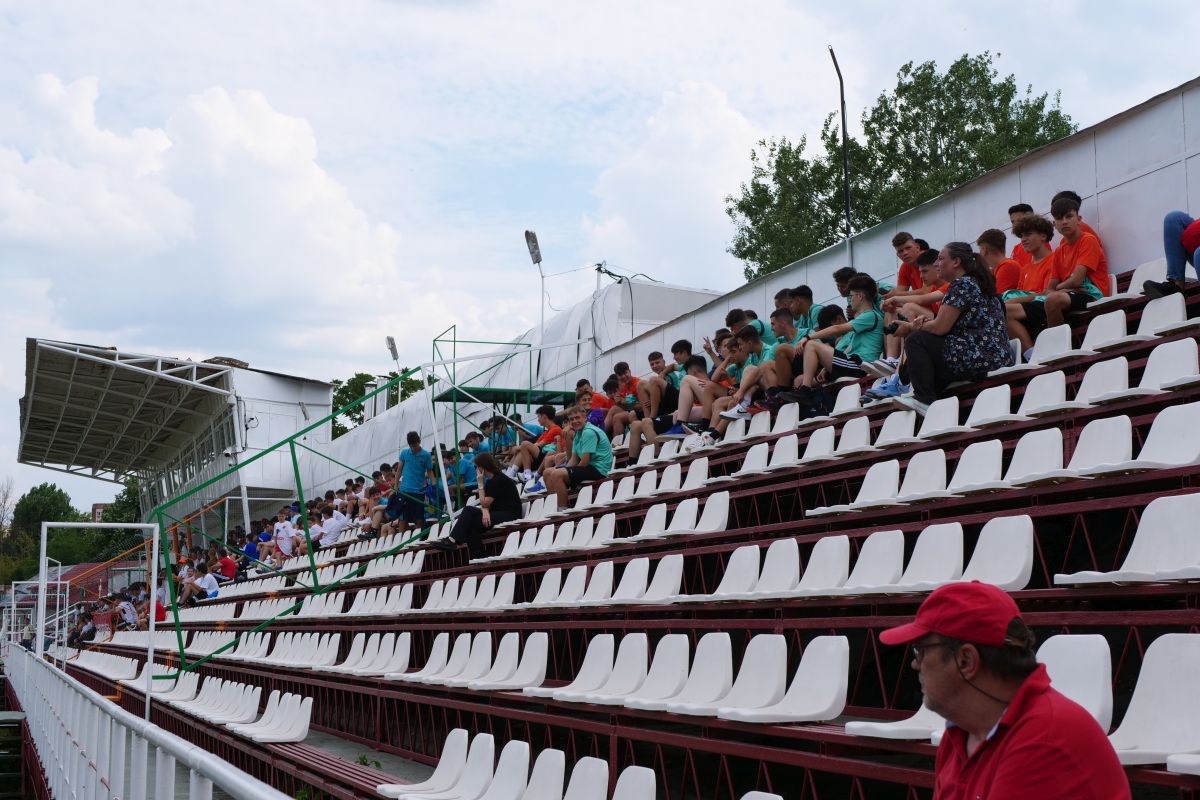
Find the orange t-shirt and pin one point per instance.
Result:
(630, 387)
(1021, 256)
(908, 277)
(1008, 275)
(600, 401)
(1084, 252)
(1037, 275)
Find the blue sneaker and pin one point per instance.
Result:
(536, 487)
(888, 387)
(676, 431)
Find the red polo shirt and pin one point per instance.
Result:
(1191, 237)
(1045, 745)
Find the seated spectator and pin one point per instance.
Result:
(503, 438)
(966, 339)
(738, 318)
(1009, 733)
(621, 409)
(499, 502)
(1070, 194)
(331, 526)
(201, 586)
(627, 384)
(804, 310)
(920, 303)
(1181, 240)
(787, 338)
(1019, 253)
(83, 633)
(596, 403)
(285, 536)
(752, 375)
(226, 567)
(1006, 271)
(126, 613)
(659, 393)
(529, 455)
(591, 458)
(908, 276)
(1026, 316)
(416, 470)
(669, 425)
(859, 340)
(249, 553)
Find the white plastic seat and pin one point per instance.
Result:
(647, 483)
(1164, 546)
(571, 590)
(941, 419)
(761, 796)
(847, 400)
(817, 691)
(655, 524)
(668, 451)
(1163, 717)
(1155, 270)
(714, 517)
(779, 576)
(710, 678)
(1050, 343)
(924, 478)
(1102, 441)
(622, 492)
(880, 563)
(668, 575)
(438, 654)
(668, 481)
(1003, 554)
(511, 775)
(530, 671)
(449, 767)
(667, 674)
(827, 569)
(855, 438)
(470, 658)
(599, 585)
(1170, 366)
(1173, 441)
(979, 465)
(992, 406)
(761, 680)
(631, 586)
(920, 725)
(897, 429)
(644, 458)
(628, 671)
(471, 781)
(589, 781)
(595, 669)
(755, 462)
(739, 577)
(785, 453)
(937, 559)
(604, 494)
(697, 475)
(1164, 316)
(760, 426)
(1104, 331)
(1080, 666)
(583, 499)
(547, 590)
(881, 483)
(787, 418)
(547, 776)
(482, 667)
(1035, 451)
(636, 783)
(819, 446)
(735, 433)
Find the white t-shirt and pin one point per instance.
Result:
(283, 536)
(332, 529)
(128, 613)
(207, 582)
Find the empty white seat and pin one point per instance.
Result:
(589, 781)
(481, 666)
(628, 672)
(779, 576)
(635, 783)
(697, 475)
(761, 680)
(571, 590)
(653, 524)
(664, 586)
(941, 419)
(1170, 366)
(880, 563)
(449, 767)
(1164, 316)
(924, 478)
(666, 675)
(819, 446)
(1104, 331)
(1164, 546)
(817, 691)
(739, 577)
(1173, 441)
(713, 519)
(547, 776)
(855, 438)
(622, 492)
(920, 725)
(710, 678)
(530, 671)
(936, 559)
(668, 451)
(992, 406)
(786, 419)
(897, 429)
(785, 453)
(1163, 717)
(735, 433)
(599, 585)
(761, 796)
(1003, 554)
(682, 518)
(470, 781)
(669, 480)
(1155, 270)
(438, 654)
(1102, 441)
(1049, 343)
(647, 483)
(881, 483)
(1080, 666)
(1035, 452)
(595, 669)
(754, 463)
(978, 465)
(847, 400)
(631, 586)
(603, 494)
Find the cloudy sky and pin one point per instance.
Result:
(290, 182)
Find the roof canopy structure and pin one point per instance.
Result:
(107, 414)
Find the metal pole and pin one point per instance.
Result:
(845, 141)
(437, 441)
(152, 596)
(43, 570)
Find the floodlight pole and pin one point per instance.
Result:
(845, 142)
(535, 253)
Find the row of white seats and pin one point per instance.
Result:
(582, 534)
(1159, 723)
(374, 654)
(467, 768)
(235, 706)
(116, 668)
(273, 583)
(1164, 316)
(208, 612)
(761, 692)
(205, 642)
(410, 563)
(469, 664)
(686, 519)
(289, 649)
(1105, 447)
(163, 639)
(265, 609)
(615, 492)
(1165, 546)
(150, 669)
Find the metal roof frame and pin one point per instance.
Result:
(84, 407)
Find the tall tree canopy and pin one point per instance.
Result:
(934, 131)
(353, 388)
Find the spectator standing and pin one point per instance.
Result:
(966, 339)
(1181, 241)
(416, 470)
(1010, 733)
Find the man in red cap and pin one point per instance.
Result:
(1011, 736)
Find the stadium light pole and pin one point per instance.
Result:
(535, 253)
(845, 145)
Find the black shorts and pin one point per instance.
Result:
(670, 400)
(414, 511)
(663, 423)
(580, 475)
(845, 366)
(1079, 300)
(1035, 317)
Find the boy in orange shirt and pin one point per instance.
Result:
(1019, 253)
(1007, 271)
(908, 276)
(1072, 195)
(1023, 305)
(1080, 267)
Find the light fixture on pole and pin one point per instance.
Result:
(535, 253)
(845, 142)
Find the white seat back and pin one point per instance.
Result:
(1080, 666)
(741, 572)
(1050, 342)
(1036, 451)
(786, 419)
(647, 483)
(1104, 329)
(635, 783)
(669, 480)
(604, 493)
(1174, 438)
(882, 482)
(600, 583)
(896, 425)
(937, 557)
(655, 521)
(668, 575)
(941, 415)
(926, 472)
(1162, 714)
(1103, 441)
(715, 516)
(989, 404)
(1003, 554)
(1044, 391)
(755, 459)
(780, 567)
(633, 579)
(549, 588)
(785, 452)
(589, 781)
(697, 474)
(856, 433)
(1169, 362)
(820, 443)
(979, 463)
(828, 564)
(846, 401)
(1166, 536)
(880, 561)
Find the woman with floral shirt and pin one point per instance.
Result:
(967, 339)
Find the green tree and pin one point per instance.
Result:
(353, 388)
(932, 132)
(125, 507)
(19, 548)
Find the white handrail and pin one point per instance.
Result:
(81, 740)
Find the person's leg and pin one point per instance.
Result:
(468, 530)
(634, 442)
(923, 352)
(690, 389)
(784, 353)
(643, 396)
(916, 311)
(712, 393)
(719, 405)
(1176, 254)
(767, 376)
(556, 482)
(621, 421)
(1056, 306)
(655, 386)
(1015, 320)
(817, 356)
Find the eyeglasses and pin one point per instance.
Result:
(919, 649)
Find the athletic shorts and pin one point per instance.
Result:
(670, 400)
(846, 366)
(576, 476)
(414, 511)
(663, 423)
(1035, 317)
(1079, 300)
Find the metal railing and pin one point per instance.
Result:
(91, 748)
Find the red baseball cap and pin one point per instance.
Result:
(973, 612)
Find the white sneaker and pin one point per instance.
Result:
(510, 473)
(527, 475)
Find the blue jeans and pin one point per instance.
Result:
(1177, 255)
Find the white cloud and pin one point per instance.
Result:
(661, 206)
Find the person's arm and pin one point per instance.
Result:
(940, 325)
(926, 299)
(1074, 280)
(825, 333)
